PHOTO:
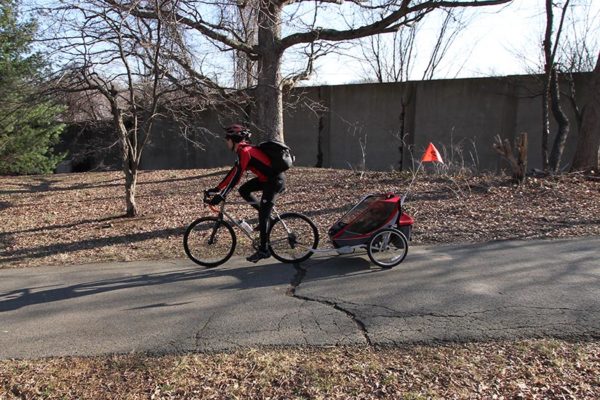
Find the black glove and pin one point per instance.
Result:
(216, 200)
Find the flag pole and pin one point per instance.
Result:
(403, 199)
(431, 154)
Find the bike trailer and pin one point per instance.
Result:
(372, 213)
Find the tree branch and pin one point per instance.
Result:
(210, 31)
(390, 23)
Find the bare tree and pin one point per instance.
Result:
(244, 65)
(287, 24)
(551, 94)
(580, 52)
(587, 154)
(393, 58)
(571, 49)
(579, 47)
(390, 61)
(126, 60)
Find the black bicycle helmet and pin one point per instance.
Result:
(237, 133)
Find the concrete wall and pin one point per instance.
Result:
(463, 113)
(201, 147)
(326, 125)
(302, 119)
(368, 115)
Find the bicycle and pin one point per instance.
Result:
(210, 241)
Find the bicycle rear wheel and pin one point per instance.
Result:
(292, 238)
(209, 241)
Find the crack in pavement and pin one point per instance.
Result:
(297, 280)
(416, 321)
(388, 312)
(199, 336)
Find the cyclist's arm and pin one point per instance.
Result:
(235, 174)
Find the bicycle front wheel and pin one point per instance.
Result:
(209, 241)
(292, 238)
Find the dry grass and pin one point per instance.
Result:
(69, 219)
(77, 218)
(525, 370)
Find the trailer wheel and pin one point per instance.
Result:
(387, 247)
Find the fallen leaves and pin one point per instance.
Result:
(506, 370)
(78, 218)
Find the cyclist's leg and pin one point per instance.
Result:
(246, 190)
(272, 189)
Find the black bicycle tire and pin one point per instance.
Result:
(404, 240)
(203, 263)
(315, 233)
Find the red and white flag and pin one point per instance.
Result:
(431, 154)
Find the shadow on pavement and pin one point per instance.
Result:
(246, 276)
(431, 271)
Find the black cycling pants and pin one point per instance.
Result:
(270, 190)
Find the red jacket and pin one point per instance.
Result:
(249, 158)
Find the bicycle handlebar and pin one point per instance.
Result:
(206, 201)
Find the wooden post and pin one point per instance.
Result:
(518, 163)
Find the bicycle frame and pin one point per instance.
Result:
(222, 214)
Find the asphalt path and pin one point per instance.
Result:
(499, 290)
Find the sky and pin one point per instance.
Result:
(496, 41)
(503, 40)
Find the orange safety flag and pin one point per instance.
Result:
(431, 154)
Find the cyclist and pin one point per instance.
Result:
(267, 180)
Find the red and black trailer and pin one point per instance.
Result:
(379, 225)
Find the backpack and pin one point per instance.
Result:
(279, 154)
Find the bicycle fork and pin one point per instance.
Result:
(213, 234)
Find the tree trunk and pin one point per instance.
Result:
(129, 163)
(269, 93)
(552, 94)
(563, 125)
(587, 155)
(545, 124)
(130, 188)
(546, 97)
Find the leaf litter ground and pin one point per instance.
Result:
(78, 218)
